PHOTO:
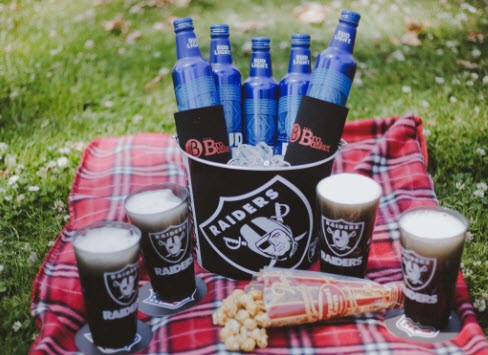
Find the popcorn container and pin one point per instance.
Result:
(245, 219)
(293, 297)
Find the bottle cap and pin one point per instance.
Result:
(261, 43)
(350, 17)
(221, 30)
(185, 23)
(300, 39)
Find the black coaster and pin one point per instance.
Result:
(84, 341)
(151, 304)
(403, 327)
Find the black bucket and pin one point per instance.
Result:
(246, 218)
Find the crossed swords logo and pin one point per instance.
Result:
(277, 243)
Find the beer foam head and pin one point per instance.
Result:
(432, 223)
(349, 189)
(152, 201)
(105, 239)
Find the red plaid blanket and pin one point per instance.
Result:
(392, 151)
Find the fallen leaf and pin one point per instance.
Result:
(159, 26)
(182, 3)
(150, 86)
(168, 21)
(133, 36)
(311, 13)
(411, 39)
(476, 36)
(90, 13)
(101, 2)
(395, 40)
(413, 25)
(13, 6)
(155, 3)
(148, 3)
(249, 26)
(163, 71)
(118, 24)
(247, 47)
(396, 55)
(467, 64)
(414, 28)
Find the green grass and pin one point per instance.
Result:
(57, 93)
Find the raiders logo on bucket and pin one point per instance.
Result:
(261, 228)
(417, 270)
(342, 236)
(121, 284)
(172, 243)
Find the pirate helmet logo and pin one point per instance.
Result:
(267, 237)
(342, 236)
(121, 284)
(417, 270)
(255, 230)
(172, 243)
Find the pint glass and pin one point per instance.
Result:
(432, 240)
(347, 206)
(160, 211)
(107, 255)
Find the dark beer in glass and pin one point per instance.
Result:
(347, 206)
(432, 240)
(107, 255)
(160, 211)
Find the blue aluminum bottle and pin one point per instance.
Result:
(292, 88)
(335, 67)
(260, 96)
(192, 75)
(228, 81)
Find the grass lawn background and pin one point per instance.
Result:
(65, 80)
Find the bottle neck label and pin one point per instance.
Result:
(187, 45)
(344, 37)
(299, 61)
(261, 64)
(220, 51)
(192, 43)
